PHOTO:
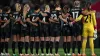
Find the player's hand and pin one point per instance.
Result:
(71, 23)
(45, 23)
(95, 34)
(35, 24)
(3, 26)
(94, 11)
(24, 25)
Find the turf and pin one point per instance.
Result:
(61, 52)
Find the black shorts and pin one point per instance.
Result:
(5, 32)
(77, 29)
(55, 30)
(44, 30)
(25, 31)
(16, 29)
(66, 30)
(34, 31)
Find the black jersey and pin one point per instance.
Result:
(75, 12)
(45, 18)
(55, 14)
(5, 16)
(33, 16)
(0, 18)
(16, 15)
(67, 19)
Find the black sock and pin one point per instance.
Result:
(42, 46)
(56, 46)
(47, 47)
(37, 47)
(68, 46)
(51, 47)
(22, 44)
(31, 46)
(79, 46)
(19, 43)
(2, 46)
(73, 46)
(20, 47)
(64, 47)
(6, 47)
(13, 47)
(26, 47)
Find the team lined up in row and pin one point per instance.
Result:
(41, 26)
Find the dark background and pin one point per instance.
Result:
(11, 2)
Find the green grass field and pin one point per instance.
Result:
(61, 52)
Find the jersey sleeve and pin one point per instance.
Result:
(28, 15)
(94, 19)
(49, 15)
(40, 16)
(79, 18)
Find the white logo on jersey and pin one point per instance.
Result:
(33, 18)
(75, 14)
(43, 19)
(5, 18)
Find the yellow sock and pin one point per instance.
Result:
(84, 45)
(91, 41)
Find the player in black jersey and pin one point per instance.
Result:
(66, 29)
(44, 29)
(33, 20)
(55, 29)
(1, 42)
(25, 27)
(5, 29)
(75, 11)
(16, 27)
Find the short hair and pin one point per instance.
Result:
(36, 7)
(6, 8)
(88, 3)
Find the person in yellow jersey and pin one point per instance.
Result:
(89, 27)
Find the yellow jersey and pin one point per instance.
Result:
(88, 19)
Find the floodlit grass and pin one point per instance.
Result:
(61, 52)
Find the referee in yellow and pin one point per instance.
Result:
(89, 26)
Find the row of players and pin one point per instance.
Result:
(45, 26)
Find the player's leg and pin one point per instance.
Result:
(64, 45)
(68, 45)
(14, 44)
(26, 41)
(37, 40)
(85, 35)
(21, 42)
(79, 34)
(57, 38)
(52, 34)
(2, 45)
(57, 45)
(64, 39)
(69, 38)
(79, 44)
(74, 40)
(47, 39)
(51, 45)
(14, 36)
(2, 41)
(42, 45)
(32, 41)
(91, 40)
(41, 33)
(7, 38)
